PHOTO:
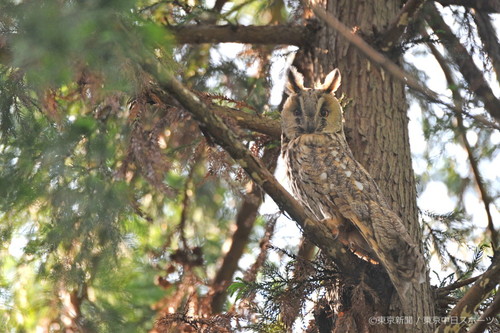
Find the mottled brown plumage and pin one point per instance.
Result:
(336, 189)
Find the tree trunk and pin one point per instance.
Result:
(377, 130)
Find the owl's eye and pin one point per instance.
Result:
(297, 112)
(324, 112)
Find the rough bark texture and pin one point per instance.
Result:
(376, 123)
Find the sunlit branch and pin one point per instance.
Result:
(397, 27)
(468, 304)
(485, 197)
(464, 61)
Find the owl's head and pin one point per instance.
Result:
(308, 111)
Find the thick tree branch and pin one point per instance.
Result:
(490, 6)
(316, 231)
(475, 295)
(398, 26)
(489, 38)
(464, 61)
(269, 34)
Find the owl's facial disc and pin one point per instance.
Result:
(311, 111)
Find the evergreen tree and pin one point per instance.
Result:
(136, 150)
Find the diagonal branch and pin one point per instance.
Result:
(317, 232)
(269, 34)
(489, 38)
(464, 61)
(488, 315)
(485, 197)
(384, 62)
(473, 297)
(373, 54)
(398, 26)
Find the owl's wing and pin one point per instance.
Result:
(359, 200)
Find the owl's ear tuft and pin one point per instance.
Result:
(332, 81)
(295, 81)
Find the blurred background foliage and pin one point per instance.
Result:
(115, 206)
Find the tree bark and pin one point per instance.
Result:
(376, 126)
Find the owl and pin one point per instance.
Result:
(335, 189)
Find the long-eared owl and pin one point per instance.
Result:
(335, 189)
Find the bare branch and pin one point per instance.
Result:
(474, 296)
(459, 284)
(464, 61)
(268, 34)
(490, 6)
(489, 38)
(397, 27)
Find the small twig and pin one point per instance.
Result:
(459, 284)
(489, 38)
(492, 6)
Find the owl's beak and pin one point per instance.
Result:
(310, 125)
